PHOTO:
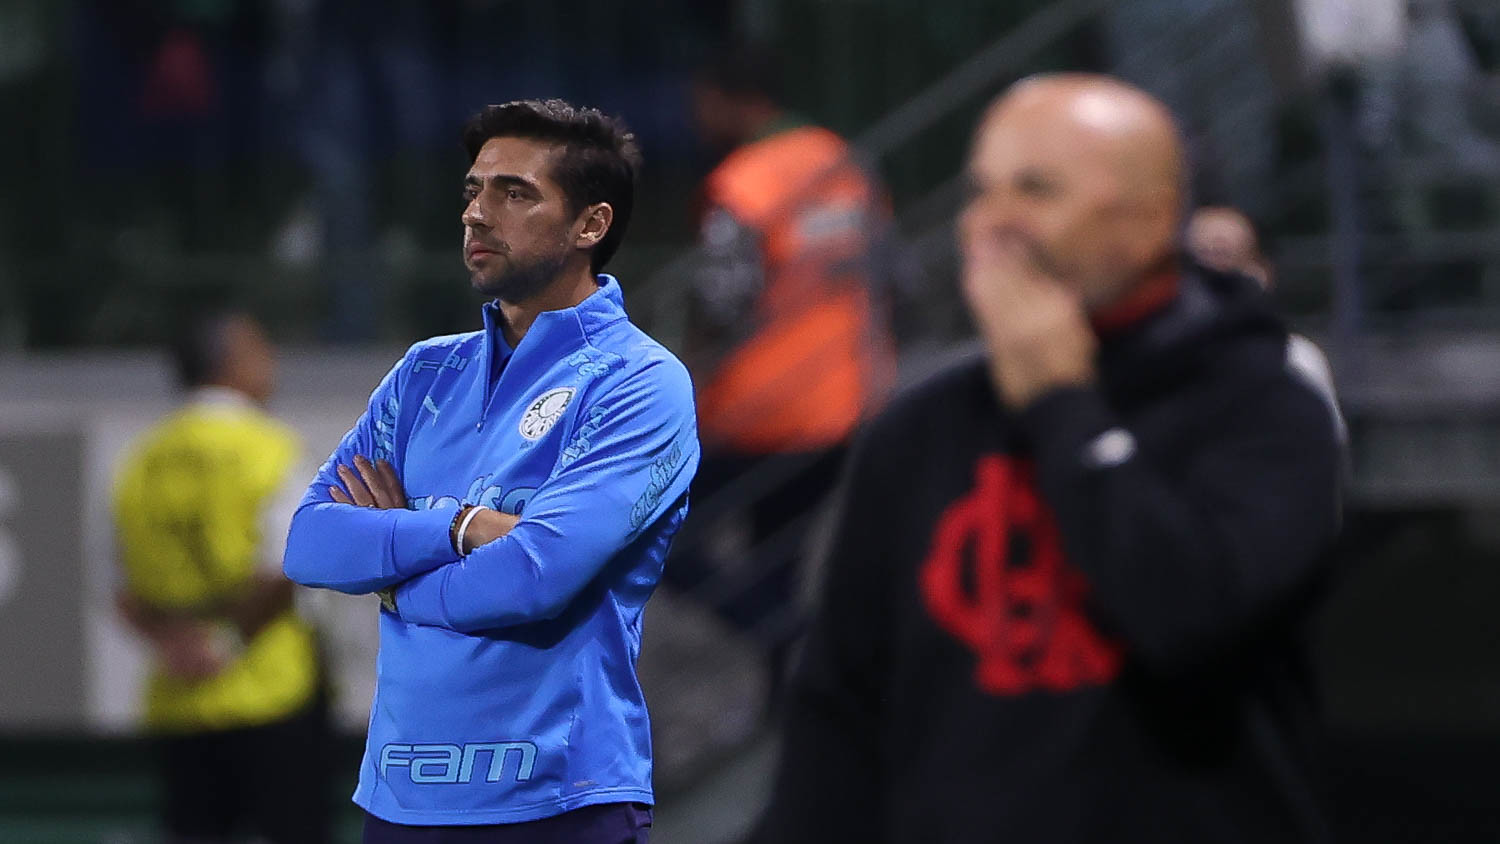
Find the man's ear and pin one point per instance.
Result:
(597, 219)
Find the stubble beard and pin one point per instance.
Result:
(517, 282)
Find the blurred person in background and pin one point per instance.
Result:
(511, 493)
(1225, 240)
(367, 92)
(1070, 591)
(178, 88)
(235, 698)
(786, 343)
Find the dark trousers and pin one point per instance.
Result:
(270, 781)
(607, 823)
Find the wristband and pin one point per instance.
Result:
(463, 526)
(453, 528)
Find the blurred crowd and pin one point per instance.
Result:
(313, 132)
(296, 147)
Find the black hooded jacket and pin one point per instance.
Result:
(1084, 623)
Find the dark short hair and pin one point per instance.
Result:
(197, 344)
(599, 160)
(743, 70)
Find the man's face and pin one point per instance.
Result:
(1061, 196)
(518, 225)
(249, 362)
(1221, 239)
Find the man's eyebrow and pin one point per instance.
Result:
(1038, 177)
(504, 180)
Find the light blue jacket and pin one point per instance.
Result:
(506, 686)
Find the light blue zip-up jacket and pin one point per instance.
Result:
(506, 686)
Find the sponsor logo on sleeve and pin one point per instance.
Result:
(455, 361)
(583, 440)
(663, 470)
(593, 364)
(384, 425)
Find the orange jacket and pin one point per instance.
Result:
(817, 358)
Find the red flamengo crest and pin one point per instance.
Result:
(1024, 616)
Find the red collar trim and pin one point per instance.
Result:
(1149, 297)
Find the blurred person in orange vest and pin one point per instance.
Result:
(786, 342)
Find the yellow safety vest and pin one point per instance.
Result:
(189, 501)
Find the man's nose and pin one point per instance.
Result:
(987, 212)
(1000, 205)
(473, 214)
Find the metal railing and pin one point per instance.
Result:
(958, 89)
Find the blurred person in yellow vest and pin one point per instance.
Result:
(787, 342)
(235, 698)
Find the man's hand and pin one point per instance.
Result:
(369, 485)
(387, 598)
(186, 648)
(260, 601)
(1035, 328)
(194, 651)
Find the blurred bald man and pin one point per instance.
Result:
(1069, 594)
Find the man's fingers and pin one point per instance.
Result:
(371, 478)
(1005, 281)
(356, 487)
(387, 474)
(1016, 257)
(380, 485)
(370, 485)
(338, 495)
(995, 269)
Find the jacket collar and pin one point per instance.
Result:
(1209, 312)
(217, 397)
(553, 330)
(1151, 296)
